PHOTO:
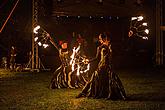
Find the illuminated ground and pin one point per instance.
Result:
(29, 91)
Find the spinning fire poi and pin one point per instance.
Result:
(69, 74)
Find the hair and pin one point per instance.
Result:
(62, 41)
(103, 36)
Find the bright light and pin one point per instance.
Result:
(72, 56)
(88, 67)
(133, 18)
(35, 39)
(140, 18)
(36, 29)
(45, 45)
(78, 70)
(76, 62)
(47, 34)
(146, 38)
(39, 43)
(146, 31)
(144, 24)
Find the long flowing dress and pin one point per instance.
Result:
(60, 76)
(64, 77)
(104, 83)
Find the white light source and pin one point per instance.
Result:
(144, 24)
(45, 45)
(35, 39)
(146, 38)
(39, 43)
(146, 31)
(36, 29)
(133, 18)
(140, 18)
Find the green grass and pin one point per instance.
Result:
(29, 91)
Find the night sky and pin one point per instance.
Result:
(18, 30)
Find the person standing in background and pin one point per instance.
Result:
(13, 55)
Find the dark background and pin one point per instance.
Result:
(60, 19)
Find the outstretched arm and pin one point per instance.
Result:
(97, 54)
(52, 41)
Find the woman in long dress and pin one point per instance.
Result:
(64, 77)
(104, 83)
(60, 76)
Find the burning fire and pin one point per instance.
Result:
(78, 62)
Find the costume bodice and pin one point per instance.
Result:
(105, 55)
(64, 56)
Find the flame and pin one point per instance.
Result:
(36, 29)
(78, 70)
(77, 62)
(88, 67)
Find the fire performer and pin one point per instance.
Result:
(77, 78)
(60, 76)
(104, 83)
(65, 75)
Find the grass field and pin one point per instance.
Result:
(145, 89)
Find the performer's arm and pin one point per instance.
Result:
(97, 54)
(52, 41)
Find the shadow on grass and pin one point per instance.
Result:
(147, 97)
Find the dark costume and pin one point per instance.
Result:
(63, 77)
(60, 76)
(12, 58)
(77, 80)
(104, 83)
